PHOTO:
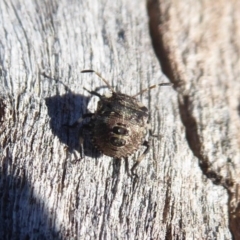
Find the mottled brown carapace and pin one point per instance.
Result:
(119, 125)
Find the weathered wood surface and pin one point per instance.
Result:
(198, 44)
(189, 182)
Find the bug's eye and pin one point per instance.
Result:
(118, 142)
(120, 130)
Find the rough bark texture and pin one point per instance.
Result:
(198, 47)
(188, 185)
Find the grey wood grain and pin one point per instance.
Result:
(47, 190)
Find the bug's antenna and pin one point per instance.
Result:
(99, 75)
(153, 86)
(56, 80)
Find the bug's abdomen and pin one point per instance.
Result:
(117, 137)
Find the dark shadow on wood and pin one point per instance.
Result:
(17, 197)
(64, 111)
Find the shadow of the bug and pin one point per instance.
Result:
(64, 110)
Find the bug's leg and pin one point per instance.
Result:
(146, 144)
(75, 124)
(154, 135)
(151, 134)
(93, 93)
(86, 115)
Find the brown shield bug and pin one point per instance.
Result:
(120, 123)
